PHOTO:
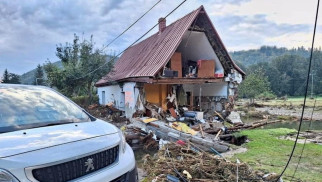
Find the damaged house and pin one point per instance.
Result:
(183, 65)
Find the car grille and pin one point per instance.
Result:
(76, 168)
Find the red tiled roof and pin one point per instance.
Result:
(148, 57)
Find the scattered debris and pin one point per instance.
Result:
(234, 118)
(93, 106)
(108, 113)
(272, 177)
(183, 127)
(184, 163)
(310, 136)
(166, 132)
(254, 125)
(184, 138)
(138, 138)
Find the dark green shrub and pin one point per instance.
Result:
(84, 100)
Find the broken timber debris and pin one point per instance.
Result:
(251, 125)
(191, 163)
(167, 133)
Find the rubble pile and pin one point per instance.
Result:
(108, 113)
(219, 134)
(186, 162)
(138, 138)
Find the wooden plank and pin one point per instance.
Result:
(176, 63)
(202, 134)
(206, 68)
(136, 79)
(173, 113)
(186, 80)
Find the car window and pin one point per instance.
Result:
(27, 107)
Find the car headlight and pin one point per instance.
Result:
(5, 176)
(123, 141)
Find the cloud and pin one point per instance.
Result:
(295, 40)
(285, 11)
(244, 32)
(30, 30)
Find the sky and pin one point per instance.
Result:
(30, 30)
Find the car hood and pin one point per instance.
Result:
(23, 141)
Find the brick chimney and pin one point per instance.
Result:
(162, 25)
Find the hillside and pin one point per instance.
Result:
(243, 58)
(285, 69)
(28, 77)
(265, 54)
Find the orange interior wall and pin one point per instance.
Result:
(164, 94)
(156, 94)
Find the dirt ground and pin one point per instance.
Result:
(309, 137)
(295, 112)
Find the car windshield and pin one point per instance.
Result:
(23, 107)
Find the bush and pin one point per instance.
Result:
(266, 96)
(83, 100)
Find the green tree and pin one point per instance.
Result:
(14, 78)
(79, 60)
(39, 76)
(5, 78)
(54, 76)
(10, 77)
(254, 84)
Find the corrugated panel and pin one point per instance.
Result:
(146, 58)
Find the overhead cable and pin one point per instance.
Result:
(307, 134)
(130, 25)
(305, 95)
(131, 44)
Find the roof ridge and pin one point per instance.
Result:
(198, 9)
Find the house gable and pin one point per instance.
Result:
(195, 46)
(145, 60)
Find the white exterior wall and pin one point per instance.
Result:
(131, 95)
(208, 89)
(123, 98)
(113, 93)
(195, 46)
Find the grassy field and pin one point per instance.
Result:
(292, 101)
(267, 153)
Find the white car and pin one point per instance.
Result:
(45, 137)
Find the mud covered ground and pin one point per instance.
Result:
(294, 112)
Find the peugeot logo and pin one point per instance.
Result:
(89, 164)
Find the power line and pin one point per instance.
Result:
(131, 25)
(307, 134)
(131, 44)
(306, 90)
